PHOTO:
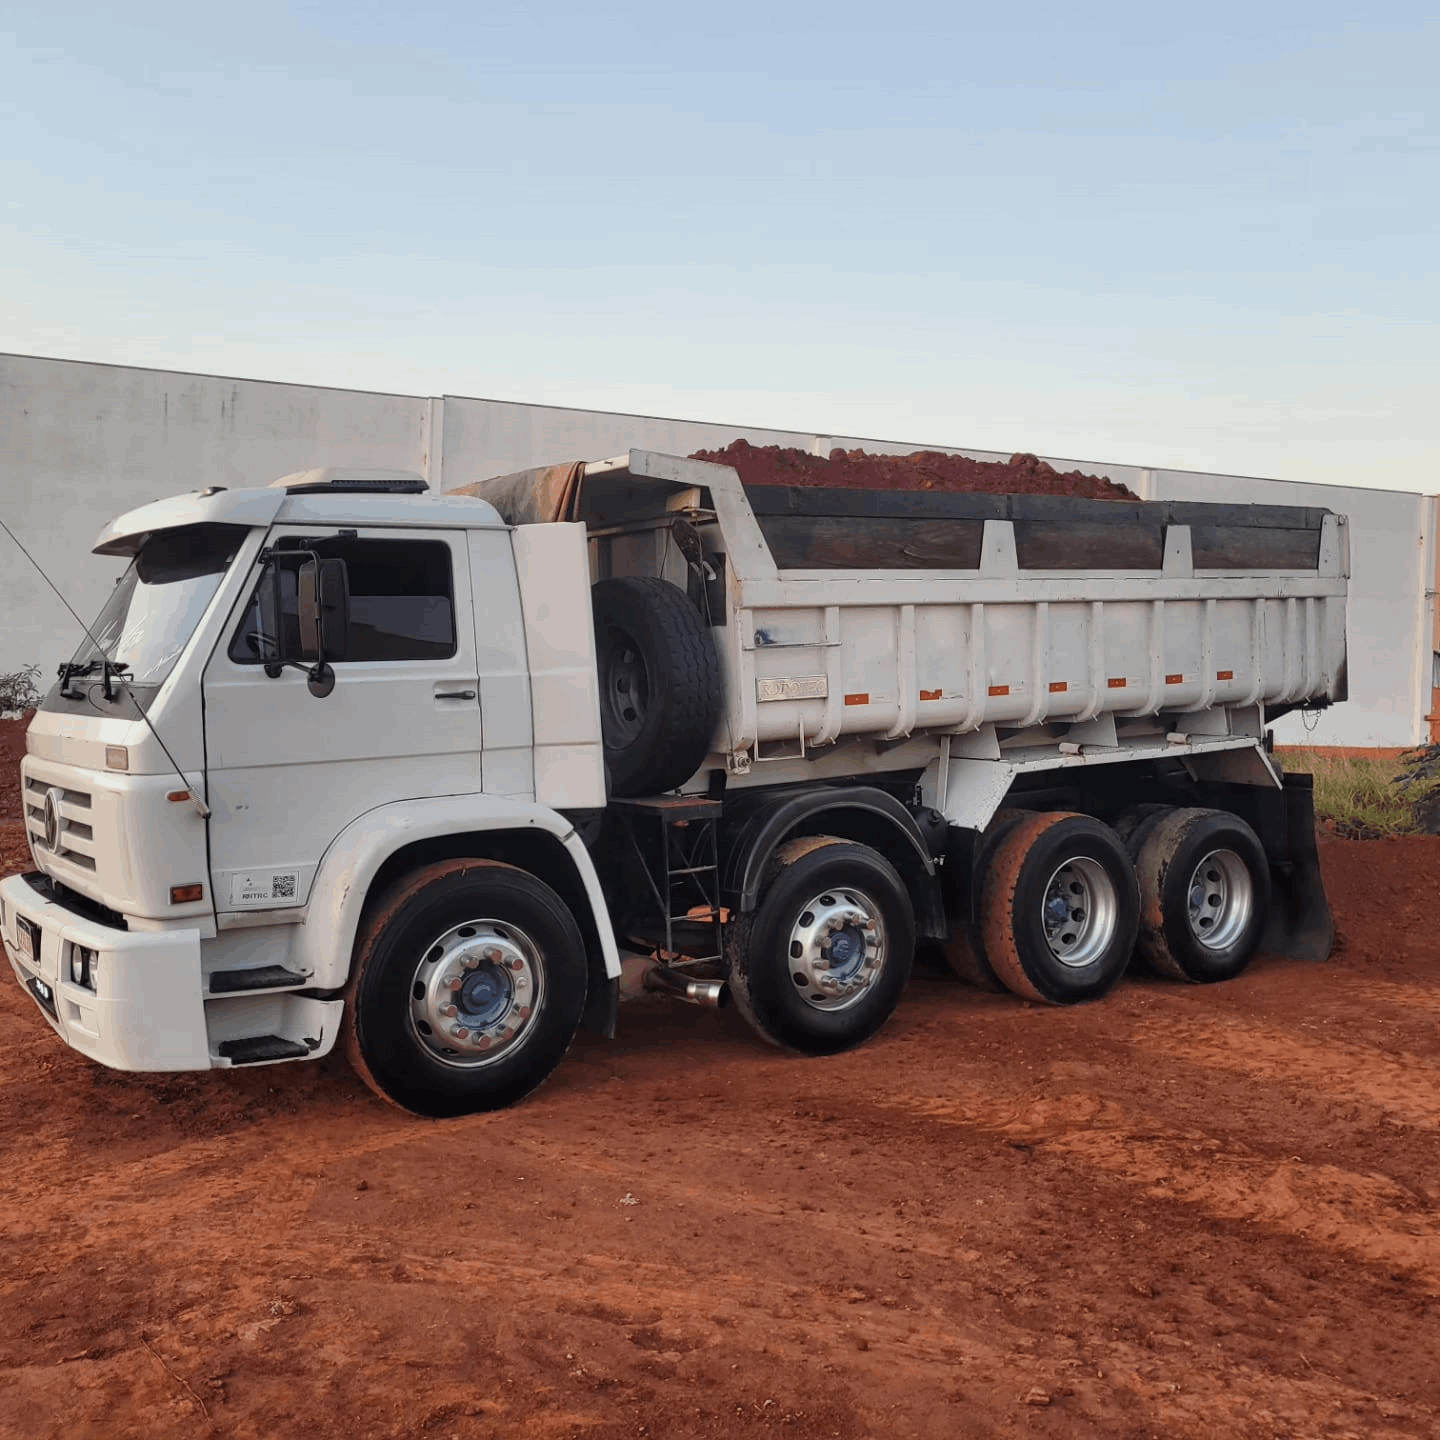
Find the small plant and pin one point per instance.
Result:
(1364, 797)
(18, 691)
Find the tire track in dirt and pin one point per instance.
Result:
(1400, 1084)
(1369, 1217)
(1411, 999)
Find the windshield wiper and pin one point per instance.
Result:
(110, 671)
(110, 668)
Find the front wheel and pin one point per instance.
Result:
(468, 986)
(1059, 909)
(821, 964)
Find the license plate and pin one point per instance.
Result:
(31, 931)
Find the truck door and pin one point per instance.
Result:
(287, 771)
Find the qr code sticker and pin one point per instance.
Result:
(282, 887)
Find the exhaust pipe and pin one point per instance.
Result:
(713, 994)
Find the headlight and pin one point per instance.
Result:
(83, 965)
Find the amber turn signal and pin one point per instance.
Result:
(117, 757)
(184, 894)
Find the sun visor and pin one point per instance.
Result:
(125, 535)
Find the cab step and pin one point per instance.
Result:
(260, 977)
(253, 1049)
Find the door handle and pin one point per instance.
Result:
(454, 694)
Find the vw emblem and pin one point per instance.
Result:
(52, 818)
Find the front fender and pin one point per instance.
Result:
(349, 866)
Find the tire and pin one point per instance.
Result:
(483, 937)
(816, 882)
(660, 692)
(1204, 895)
(1138, 818)
(1059, 909)
(963, 949)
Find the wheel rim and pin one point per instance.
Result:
(1220, 900)
(475, 993)
(1079, 912)
(836, 949)
(626, 691)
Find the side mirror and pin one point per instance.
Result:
(323, 609)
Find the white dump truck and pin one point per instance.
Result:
(344, 759)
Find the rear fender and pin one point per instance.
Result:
(861, 813)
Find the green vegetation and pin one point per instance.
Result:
(18, 691)
(1365, 797)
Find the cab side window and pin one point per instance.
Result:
(401, 600)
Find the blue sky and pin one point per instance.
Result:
(1111, 232)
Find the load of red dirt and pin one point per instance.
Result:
(922, 470)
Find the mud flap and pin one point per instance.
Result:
(602, 1004)
(1301, 925)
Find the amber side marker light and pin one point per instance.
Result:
(177, 795)
(184, 894)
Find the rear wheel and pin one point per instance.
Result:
(821, 964)
(468, 987)
(1059, 909)
(964, 951)
(1205, 894)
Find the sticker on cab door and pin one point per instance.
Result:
(264, 887)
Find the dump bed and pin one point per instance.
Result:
(1015, 620)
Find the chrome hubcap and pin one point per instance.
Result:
(1079, 912)
(1221, 900)
(836, 948)
(475, 992)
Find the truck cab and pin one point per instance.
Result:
(208, 820)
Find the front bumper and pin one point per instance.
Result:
(143, 1010)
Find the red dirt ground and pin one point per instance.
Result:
(1181, 1212)
(923, 470)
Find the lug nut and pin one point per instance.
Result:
(454, 983)
(448, 1010)
(494, 955)
(517, 964)
(459, 1031)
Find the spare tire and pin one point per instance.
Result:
(659, 684)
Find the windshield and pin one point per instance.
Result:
(155, 607)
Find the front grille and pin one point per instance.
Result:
(77, 836)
